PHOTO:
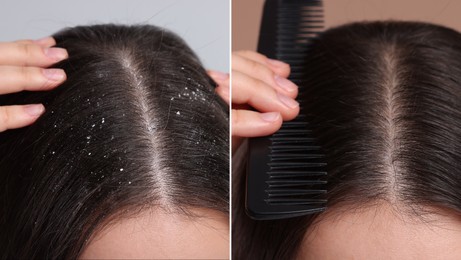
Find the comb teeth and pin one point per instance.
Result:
(287, 170)
(296, 167)
(293, 202)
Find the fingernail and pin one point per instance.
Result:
(285, 84)
(54, 74)
(219, 75)
(289, 102)
(270, 116)
(44, 40)
(57, 54)
(34, 110)
(276, 63)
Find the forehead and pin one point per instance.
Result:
(383, 232)
(156, 234)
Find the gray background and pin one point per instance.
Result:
(204, 24)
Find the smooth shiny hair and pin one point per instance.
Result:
(136, 125)
(384, 99)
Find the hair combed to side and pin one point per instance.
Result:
(385, 100)
(136, 125)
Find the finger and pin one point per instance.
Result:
(219, 77)
(19, 116)
(223, 92)
(262, 72)
(44, 42)
(222, 79)
(256, 93)
(278, 67)
(15, 79)
(247, 123)
(17, 54)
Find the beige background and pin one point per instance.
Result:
(246, 15)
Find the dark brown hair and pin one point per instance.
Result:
(385, 102)
(137, 124)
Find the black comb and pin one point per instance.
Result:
(286, 171)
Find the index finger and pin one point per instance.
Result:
(278, 67)
(44, 42)
(30, 54)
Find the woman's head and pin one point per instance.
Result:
(136, 130)
(384, 99)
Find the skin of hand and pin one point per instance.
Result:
(24, 66)
(262, 96)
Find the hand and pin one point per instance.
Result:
(262, 97)
(23, 67)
